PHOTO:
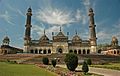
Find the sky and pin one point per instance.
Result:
(72, 15)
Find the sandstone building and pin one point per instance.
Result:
(60, 43)
(7, 49)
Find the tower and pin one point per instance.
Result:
(114, 42)
(6, 41)
(93, 39)
(28, 26)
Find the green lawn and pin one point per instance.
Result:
(115, 66)
(7, 69)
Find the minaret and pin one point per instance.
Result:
(92, 26)
(28, 26)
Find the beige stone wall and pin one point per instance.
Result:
(42, 48)
(62, 45)
(93, 49)
(77, 48)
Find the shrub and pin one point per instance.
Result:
(71, 61)
(53, 62)
(13, 62)
(7, 60)
(45, 60)
(85, 67)
(89, 62)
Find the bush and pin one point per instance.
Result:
(53, 62)
(89, 62)
(85, 67)
(71, 61)
(45, 60)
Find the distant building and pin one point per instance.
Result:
(60, 42)
(113, 48)
(7, 49)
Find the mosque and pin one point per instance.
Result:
(59, 42)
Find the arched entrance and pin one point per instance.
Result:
(44, 52)
(31, 51)
(40, 51)
(5, 51)
(88, 51)
(114, 52)
(36, 51)
(84, 52)
(70, 51)
(49, 51)
(75, 51)
(79, 52)
(118, 52)
(60, 49)
(99, 51)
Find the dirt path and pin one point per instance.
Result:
(101, 71)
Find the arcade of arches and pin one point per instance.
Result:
(44, 51)
(84, 51)
(40, 51)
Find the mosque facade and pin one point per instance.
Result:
(60, 43)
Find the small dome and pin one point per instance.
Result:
(114, 39)
(29, 9)
(6, 38)
(44, 38)
(60, 34)
(90, 10)
(76, 38)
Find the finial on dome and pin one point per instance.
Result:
(29, 9)
(44, 31)
(76, 32)
(90, 10)
(60, 28)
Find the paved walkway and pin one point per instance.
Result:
(101, 71)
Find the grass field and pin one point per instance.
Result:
(7, 69)
(115, 66)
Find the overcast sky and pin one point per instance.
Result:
(50, 14)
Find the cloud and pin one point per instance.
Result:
(81, 17)
(103, 35)
(40, 30)
(16, 10)
(54, 16)
(7, 17)
(87, 3)
(20, 12)
(117, 24)
(81, 14)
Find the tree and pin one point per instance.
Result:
(85, 67)
(89, 62)
(71, 61)
(53, 62)
(45, 60)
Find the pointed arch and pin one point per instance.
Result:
(44, 51)
(40, 51)
(49, 51)
(75, 51)
(88, 51)
(84, 52)
(70, 51)
(31, 51)
(79, 51)
(36, 51)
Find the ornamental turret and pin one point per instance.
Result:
(28, 26)
(93, 39)
(6, 41)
